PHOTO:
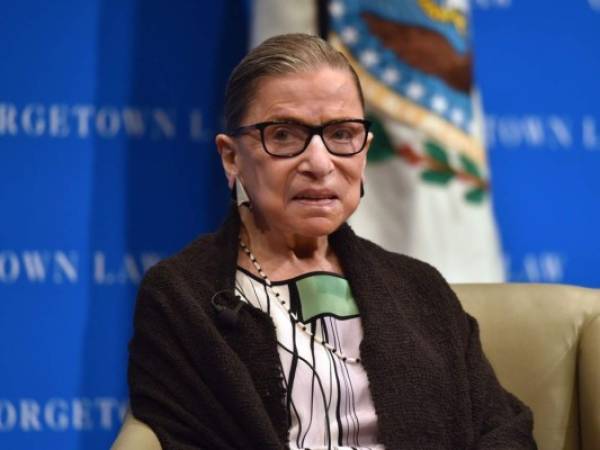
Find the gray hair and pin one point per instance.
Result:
(277, 56)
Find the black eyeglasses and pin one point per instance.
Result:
(286, 139)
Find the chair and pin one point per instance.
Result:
(135, 435)
(544, 344)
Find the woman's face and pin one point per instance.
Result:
(313, 193)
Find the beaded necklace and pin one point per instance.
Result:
(294, 317)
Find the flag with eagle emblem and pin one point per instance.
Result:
(427, 180)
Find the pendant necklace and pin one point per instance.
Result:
(303, 327)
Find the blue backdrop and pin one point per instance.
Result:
(108, 110)
(537, 64)
(107, 115)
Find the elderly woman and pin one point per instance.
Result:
(286, 329)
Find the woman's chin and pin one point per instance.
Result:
(316, 226)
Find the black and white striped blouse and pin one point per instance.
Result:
(328, 400)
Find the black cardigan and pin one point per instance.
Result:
(200, 383)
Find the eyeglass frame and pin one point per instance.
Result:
(318, 130)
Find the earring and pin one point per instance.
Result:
(362, 189)
(239, 194)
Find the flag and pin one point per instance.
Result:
(427, 187)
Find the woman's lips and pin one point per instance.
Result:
(316, 194)
(316, 197)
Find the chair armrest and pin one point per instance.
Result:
(589, 385)
(135, 435)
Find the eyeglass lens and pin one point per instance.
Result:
(345, 138)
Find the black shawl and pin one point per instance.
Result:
(201, 383)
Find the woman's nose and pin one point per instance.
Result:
(316, 159)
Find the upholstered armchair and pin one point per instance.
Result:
(544, 344)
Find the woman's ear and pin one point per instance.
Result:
(227, 148)
(367, 146)
(369, 140)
